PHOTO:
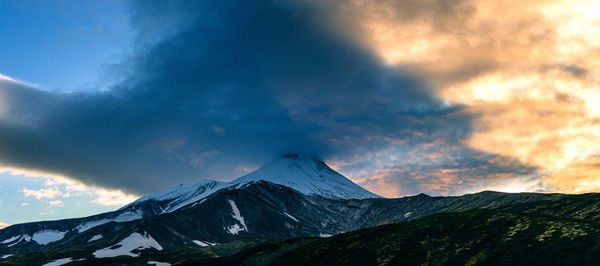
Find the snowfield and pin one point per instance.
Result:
(203, 244)
(236, 228)
(43, 237)
(94, 238)
(27, 238)
(59, 262)
(135, 241)
(123, 217)
(6, 241)
(48, 236)
(157, 263)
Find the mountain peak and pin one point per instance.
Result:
(301, 157)
(308, 175)
(292, 156)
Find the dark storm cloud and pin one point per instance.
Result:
(227, 85)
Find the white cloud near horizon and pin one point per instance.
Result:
(57, 186)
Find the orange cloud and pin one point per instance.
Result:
(3, 225)
(382, 186)
(528, 75)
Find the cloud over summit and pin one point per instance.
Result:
(217, 87)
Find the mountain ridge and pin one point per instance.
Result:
(250, 211)
(261, 212)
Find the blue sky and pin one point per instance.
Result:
(17, 208)
(102, 101)
(63, 45)
(58, 46)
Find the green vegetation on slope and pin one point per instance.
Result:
(465, 238)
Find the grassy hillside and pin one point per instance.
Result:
(465, 238)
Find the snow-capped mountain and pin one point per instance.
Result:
(294, 196)
(305, 174)
(236, 216)
(309, 176)
(177, 197)
(248, 212)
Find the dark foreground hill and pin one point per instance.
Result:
(465, 238)
(561, 232)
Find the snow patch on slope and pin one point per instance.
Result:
(59, 262)
(7, 256)
(6, 241)
(203, 244)
(123, 217)
(27, 238)
(48, 236)
(135, 241)
(158, 263)
(293, 218)
(236, 228)
(94, 238)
